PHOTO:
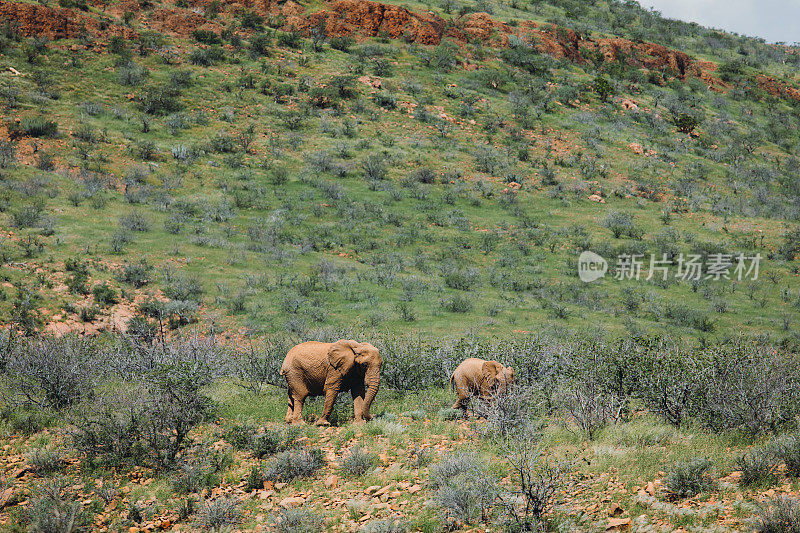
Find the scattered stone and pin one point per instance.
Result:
(596, 198)
(618, 524)
(636, 148)
(292, 502)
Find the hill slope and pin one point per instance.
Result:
(277, 166)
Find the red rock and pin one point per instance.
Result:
(291, 502)
(618, 524)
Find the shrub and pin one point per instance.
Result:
(8, 153)
(385, 99)
(131, 74)
(33, 127)
(292, 464)
(461, 278)
(137, 274)
(387, 525)
(134, 221)
(184, 289)
(358, 462)
(759, 467)
(688, 478)
(535, 483)
(603, 88)
(374, 166)
(685, 122)
(104, 294)
(790, 249)
(28, 216)
(52, 371)
(788, 450)
(160, 100)
(747, 386)
(298, 521)
(149, 422)
(342, 43)
(457, 304)
(45, 460)
(219, 513)
(206, 37)
(781, 515)
(290, 39)
(464, 487)
(620, 223)
(448, 413)
(206, 57)
(195, 476)
(51, 510)
(240, 436)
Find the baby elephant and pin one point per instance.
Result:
(481, 378)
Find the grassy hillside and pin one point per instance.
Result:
(259, 179)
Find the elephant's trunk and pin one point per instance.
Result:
(372, 379)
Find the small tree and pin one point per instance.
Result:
(603, 88)
(685, 122)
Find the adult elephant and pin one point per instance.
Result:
(325, 368)
(477, 377)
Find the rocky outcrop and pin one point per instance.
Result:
(777, 88)
(369, 19)
(57, 23)
(365, 18)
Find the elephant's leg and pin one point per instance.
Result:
(357, 392)
(463, 394)
(327, 409)
(290, 409)
(296, 402)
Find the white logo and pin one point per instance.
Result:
(591, 266)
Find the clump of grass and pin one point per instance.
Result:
(387, 525)
(298, 521)
(448, 413)
(45, 460)
(219, 513)
(358, 462)
(781, 515)
(759, 467)
(464, 487)
(688, 478)
(787, 450)
(292, 464)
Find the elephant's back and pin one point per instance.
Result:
(470, 364)
(305, 354)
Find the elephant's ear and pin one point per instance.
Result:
(341, 355)
(490, 370)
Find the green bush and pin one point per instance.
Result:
(688, 478)
(358, 462)
(33, 127)
(292, 464)
(104, 294)
(298, 521)
(219, 513)
(781, 515)
(759, 467)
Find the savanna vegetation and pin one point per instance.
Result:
(181, 207)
